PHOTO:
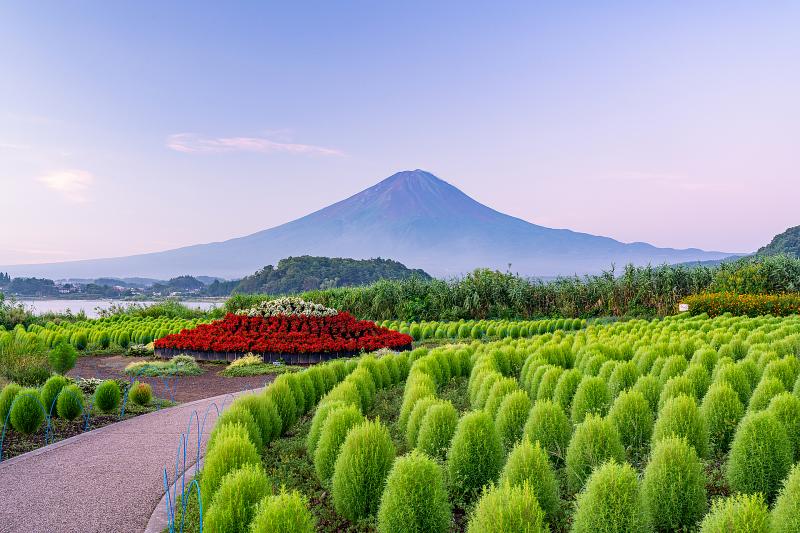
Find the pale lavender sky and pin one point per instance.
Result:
(155, 125)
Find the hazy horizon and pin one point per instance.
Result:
(147, 127)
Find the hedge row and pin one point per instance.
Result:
(716, 304)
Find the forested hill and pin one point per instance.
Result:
(298, 274)
(787, 242)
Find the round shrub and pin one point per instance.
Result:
(592, 397)
(320, 415)
(507, 509)
(223, 431)
(362, 379)
(511, 417)
(27, 411)
(475, 456)
(786, 513)
(62, 357)
(10, 391)
(611, 502)
(566, 387)
(766, 389)
(548, 425)
(674, 486)
(547, 385)
(264, 414)
(486, 387)
(415, 419)
(681, 417)
(236, 499)
(69, 403)
(736, 378)
(529, 463)
(229, 453)
(760, 457)
(721, 410)
(237, 412)
(786, 408)
(607, 369)
(650, 388)
(411, 395)
(500, 389)
(361, 469)
(333, 434)
(674, 365)
(596, 440)
(707, 357)
(415, 499)
(631, 415)
(309, 389)
(740, 513)
(50, 391)
(286, 512)
(674, 387)
(437, 429)
(141, 393)
(107, 396)
(623, 377)
(699, 377)
(281, 395)
(297, 393)
(345, 392)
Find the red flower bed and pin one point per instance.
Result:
(341, 333)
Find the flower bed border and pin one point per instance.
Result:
(288, 358)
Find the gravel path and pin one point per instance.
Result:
(109, 479)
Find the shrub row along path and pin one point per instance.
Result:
(109, 479)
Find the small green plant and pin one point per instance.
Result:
(62, 357)
(285, 512)
(50, 390)
(650, 388)
(786, 513)
(475, 456)
(611, 502)
(361, 469)
(548, 425)
(508, 509)
(324, 409)
(566, 387)
(592, 397)
(70, 402)
(27, 412)
(674, 486)
(141, 393)
(786, 408)
(767, 389)
(675, 387)
(595, 441)
(264, 413)
(235, 501)
(681, 417)
(745, 513)
(760, 456)
(239, 413)
(107, 396)
(735, 376)
(333, 435)
(622, 378)
(6, 399)
(414, 421)
(633, 418)
(281, 395)
(529, 463)
(415, 499)
(437, 429)
(229, 453)
(499, 391)
(512, 416)
(721, 410)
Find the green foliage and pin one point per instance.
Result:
(721, 410)
(230, 452)
(633, 418)
(566, 387)
(650, 388)
(235, 501)
(437, 429)
(69, 403)
(238, 413)
(50, 390)
(286, 512)
(415, 420)
(361, 469)
(511, 417)
(265, 415)
(548, 425)
(107, 396)
(611, 502)
(740, 513)
(475, 456)
(760, 457)
(675, 387)
(27, 412)
(528, 463)
(415, 499)
(281, 395)
(140, 393)
(508, 509)
(735, 376)
(681, 417)
(320, 415)
(623, 377)
(786, 512)
(334, 432)
(62, 357)
(10, 391)
(786, 408)
(674, 486)
(767, 389)
(499, 390)
(592, 397)
(595, 441)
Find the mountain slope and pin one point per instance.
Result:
(412, 217)
(787, 242)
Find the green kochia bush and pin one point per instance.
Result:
(736, 378)
(286, 512)
(508, 509)
(529, 463)
(741, 513)
(281, 395)
(6, 399)
(761, 455)
(235, 501)
(786, 513)
(228, 454)
(511, 417)
(592, 397)
(238, 413)
(566, 387)
(333, 434)
(360, 472)
(786, 408)
(50, 391)
(595, 441)
(70, 402)
(107, 396)
(27, 411)
(673, 388)
(320, 415)
(265, 415)
(611, 502)
(548, 425)
(415, 419)
(415, 499)
(499, 391)
(674, 486)
(721, 410)
(650, 388)
(62, 357)
(437, 429)
(622, 378)
(767, 389)
(475, 456)
(633, 418)
(140, 393)
(681, 417)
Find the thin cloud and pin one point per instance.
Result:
(191, 143)
(71, 184)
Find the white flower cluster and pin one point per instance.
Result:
(288, 306)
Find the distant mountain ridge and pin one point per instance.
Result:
(787, 242)
(412, 217)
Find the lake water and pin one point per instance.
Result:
(90, 306)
